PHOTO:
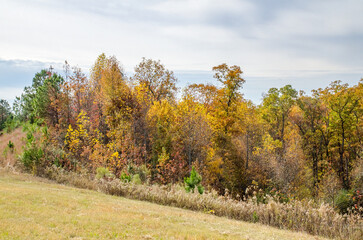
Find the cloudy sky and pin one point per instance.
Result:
(304, 43)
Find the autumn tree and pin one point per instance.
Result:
(309, 117)
(193, 131)
(154, 80)
(275, 111)
(202, 93)
(80, 90)
(229, 94)
(153, 84)
(223, 117)
(295, 143)
(98, 120)
(117, 98)
(161, 117)
(78, 139)
(344, 103)
(118, 107)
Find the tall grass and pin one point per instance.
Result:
(295, 215)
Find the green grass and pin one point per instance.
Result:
(34, 208)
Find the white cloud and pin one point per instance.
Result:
(9, 93)
(283, 39)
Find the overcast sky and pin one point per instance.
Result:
(304, 43)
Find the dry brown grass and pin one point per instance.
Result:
(30, 209)
(7, 157)
(297, 215)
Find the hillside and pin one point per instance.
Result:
(33, 208)
(8, 157)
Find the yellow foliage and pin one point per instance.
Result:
(161, 114)
(78, 138)
(163, 158)
(214, 165)
(115, 154)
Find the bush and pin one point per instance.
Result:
(125, 177)
(102, 172)
(136, 179)
(143, 172)
(54, 156)
(33, 154)
(11, 145)
(344, 201)
(11, 124)
(329, 186)
(193, 181)
(32, 157)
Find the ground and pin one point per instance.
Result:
(34, 208)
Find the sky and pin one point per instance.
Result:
(304, 43)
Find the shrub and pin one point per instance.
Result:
(11, 124)
(329, 186)
(357, 199)
(143, 172)
(33, 154)
(54, 156)
(32, 157)
(193, 181)
(136, 179)
(344, 201)
(102, 172)
(11, 145)
(125, 177)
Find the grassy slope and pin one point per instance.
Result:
(16, 137)
(32, 208)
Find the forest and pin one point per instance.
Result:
(143, 129)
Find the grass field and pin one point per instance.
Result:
(34, 208)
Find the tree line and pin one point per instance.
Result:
(303, 145)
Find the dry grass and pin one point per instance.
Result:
(30, 209)
(297, 215)
(8, 158)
